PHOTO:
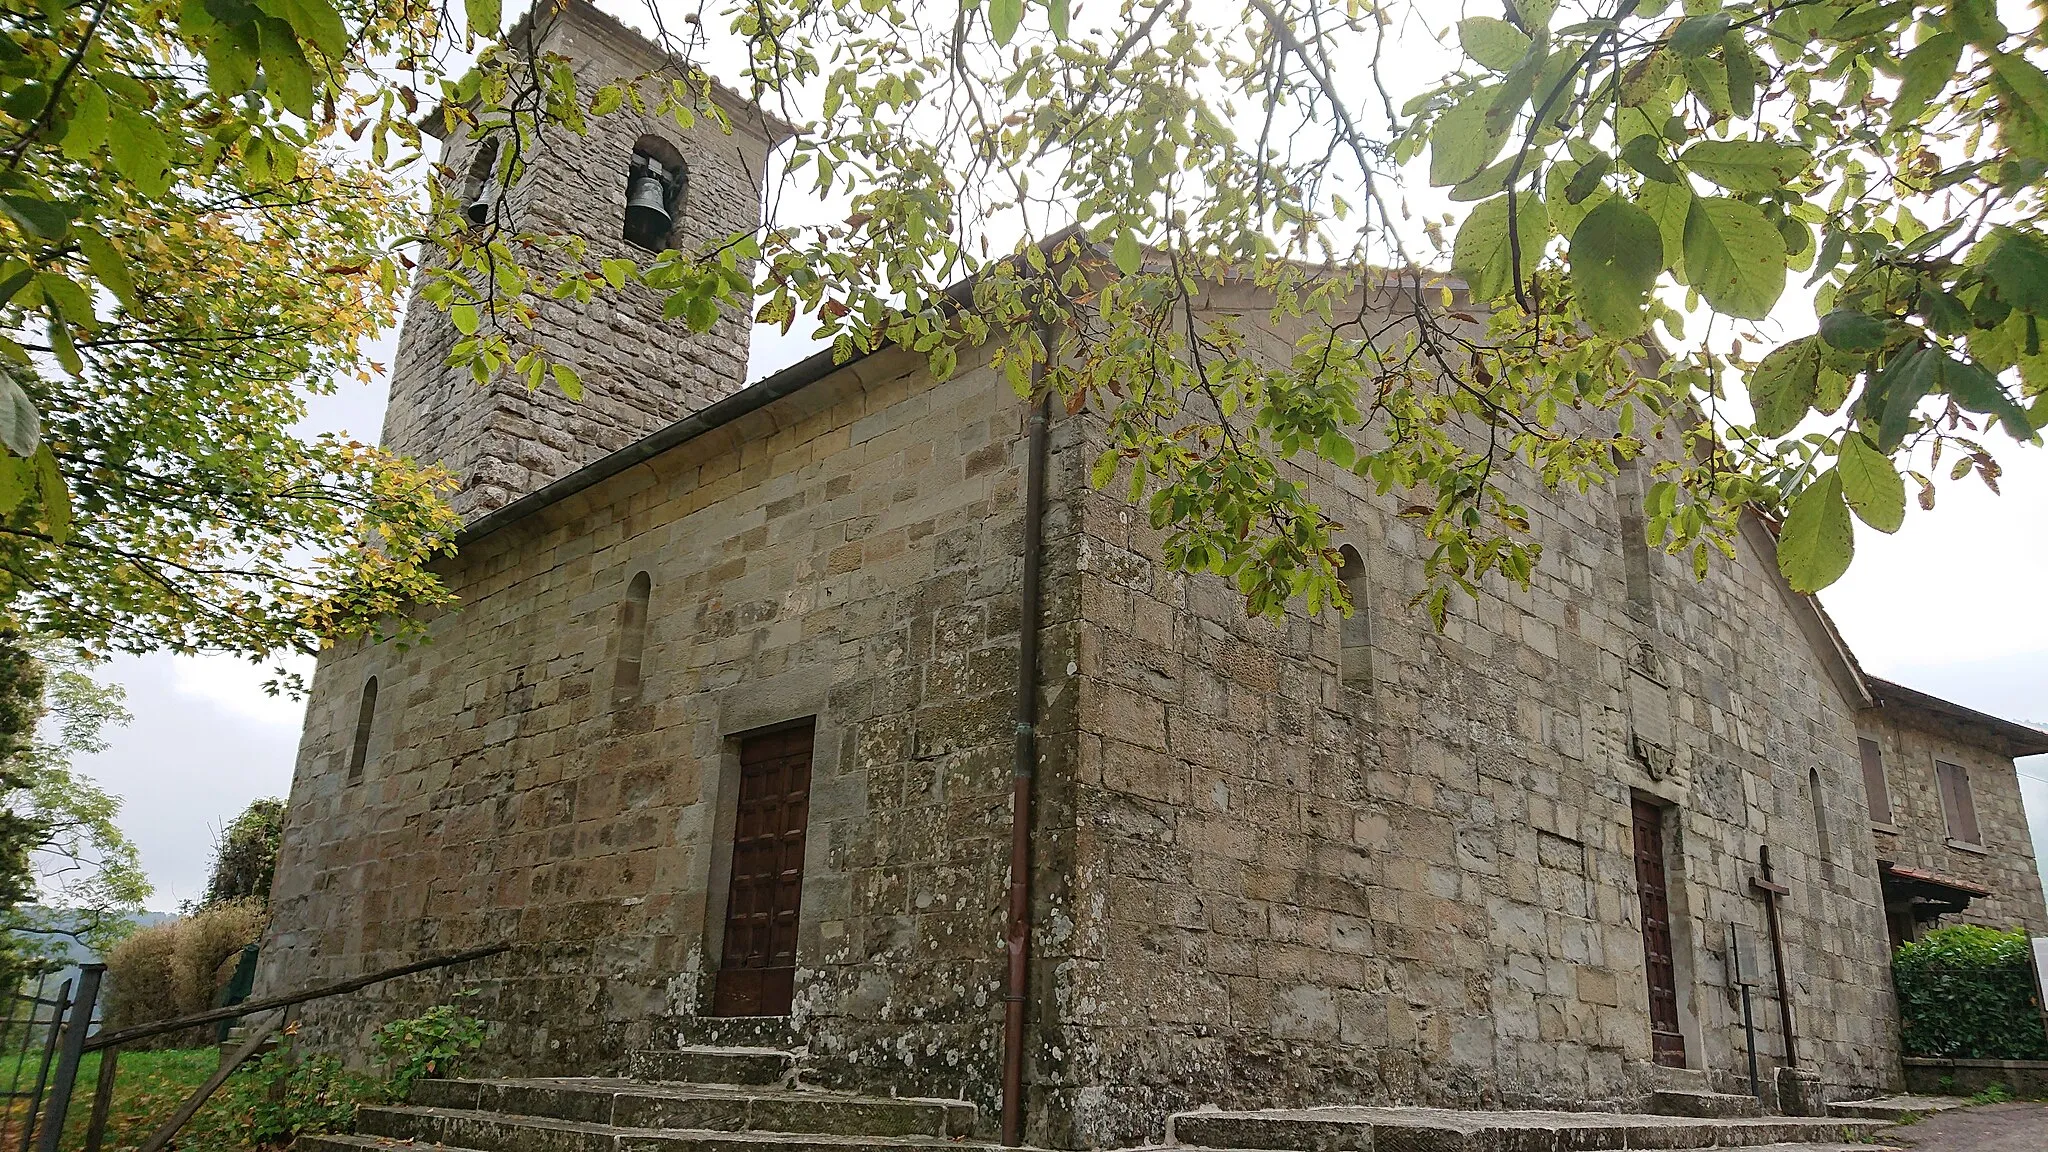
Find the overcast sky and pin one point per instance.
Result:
(1950, 605)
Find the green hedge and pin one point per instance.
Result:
(1968, 993)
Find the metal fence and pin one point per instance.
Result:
(30, 1040)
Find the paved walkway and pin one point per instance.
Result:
(1990, 1128)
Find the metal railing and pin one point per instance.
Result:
(69, 1036)
(30, 1037)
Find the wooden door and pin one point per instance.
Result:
(757, 969)
(1667, 1044)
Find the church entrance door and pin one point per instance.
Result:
(757, 971)
(1667, 1044)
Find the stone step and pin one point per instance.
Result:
(729, 1108)
(628, 1140)
(474, 1131)
(1703, 1105)
(738, 1032)
(1358, 1129)
(704, 1064)
(1895, 1108)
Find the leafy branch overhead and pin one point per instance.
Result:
(203, 209)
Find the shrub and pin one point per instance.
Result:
(245, 854)
(427, 1045)
(178, 967)
(1968, 993)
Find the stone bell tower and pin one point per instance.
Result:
(639, 371)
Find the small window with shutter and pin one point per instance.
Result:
(1875, 793)
(1957, 805)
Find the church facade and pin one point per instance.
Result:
(722, 739)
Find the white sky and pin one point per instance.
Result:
(1949, 605)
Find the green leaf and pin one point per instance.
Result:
(465, 318)
(1924, 72)
(1491, 43)
(1700, 34)
(1616, 254)
(1747, 165)
(87, 129)
(1060, 13)
(1852, 331)
(288, 77)
(1646, 155)
(20, 428)
(39, 218)
(1818, 539)
(618, 271)
(56, 496)
(1896, 390)
(484, 16)
(1865, 21)
(1669, 205)
(1874, 488)
(110, 267)
(318, 23)
(1782, 388)
(1734, 256)
(17, 480)
(1482, 254)
(1979, 391)
(2018, 268)
(2025, 80)
(140, 151)
(702, 312)
(1127, 253)
(1587, 179)
(1461, 144)
(1004, 16)
(568, 381)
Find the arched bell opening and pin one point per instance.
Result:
(481, 192)
(655, 180)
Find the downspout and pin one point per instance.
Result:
(1018, 932)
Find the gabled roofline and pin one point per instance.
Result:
(2013, 738)
(1813, 620)
(629, 43)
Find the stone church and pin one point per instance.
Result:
(725, 734)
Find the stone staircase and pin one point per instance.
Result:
(1349, 1129)
(686, 1100)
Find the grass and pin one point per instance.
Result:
(148, 1087)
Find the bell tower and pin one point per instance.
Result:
(634, 184)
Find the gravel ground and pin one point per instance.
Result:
(1990, 1128)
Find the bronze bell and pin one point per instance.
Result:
(479, 210)
(647, 200)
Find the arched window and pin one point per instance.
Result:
(481, 193)
(655, 179)
(1355, 660)
(1820, 824)
(359, 755)
(632, 640)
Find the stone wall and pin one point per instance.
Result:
(850, 552)
(1911, 740)
(1292, 891)
(639, 371)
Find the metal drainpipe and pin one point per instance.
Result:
(1019, 927)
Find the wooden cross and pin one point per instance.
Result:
(1771, 890)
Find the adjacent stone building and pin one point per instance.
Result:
(1944, 805)
(721, 739)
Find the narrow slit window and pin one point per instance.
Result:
(1821, 841)
(1957, 805)
(1875, 791)
(632, 641)
(1635, 544)
(366, 715)
(1355, 659)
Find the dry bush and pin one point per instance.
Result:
(179, 967)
